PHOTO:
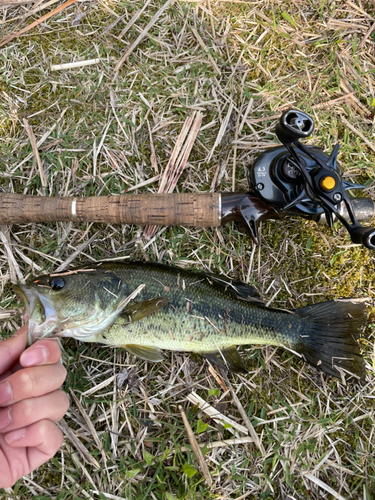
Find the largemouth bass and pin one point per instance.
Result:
(182, 310)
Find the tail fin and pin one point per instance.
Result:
(330, 339)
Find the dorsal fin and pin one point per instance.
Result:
(237, 288)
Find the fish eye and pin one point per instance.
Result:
(57, 283)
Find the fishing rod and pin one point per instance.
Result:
(290, 179)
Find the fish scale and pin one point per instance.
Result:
(210, 300)
(182, 310)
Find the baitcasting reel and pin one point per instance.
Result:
(304, 181)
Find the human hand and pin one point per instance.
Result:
(30, 403)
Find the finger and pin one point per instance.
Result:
(6, 374)
(43, 352)
(52, 406)
(43, 439)
(46, 352)
(11, 349)
(31, 383)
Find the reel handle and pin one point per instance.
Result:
(323, 183)
(364, 236)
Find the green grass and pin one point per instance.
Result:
(307, 422)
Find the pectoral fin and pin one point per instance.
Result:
(228, 358)
(139, 310)
(145, 352)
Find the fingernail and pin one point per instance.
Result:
(5, 392)
(34, 356)
(16, 435)
(5, 418)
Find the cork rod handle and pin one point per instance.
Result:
(187, 209)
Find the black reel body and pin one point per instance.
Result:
(304, 180)
(276, 179)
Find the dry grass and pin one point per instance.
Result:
(106, 127)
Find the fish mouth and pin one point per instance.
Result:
(44, 321)
(40, 313)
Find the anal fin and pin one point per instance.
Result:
(145, 352)
(228, 358)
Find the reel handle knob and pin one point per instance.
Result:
(294, 125)
(364, 236)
